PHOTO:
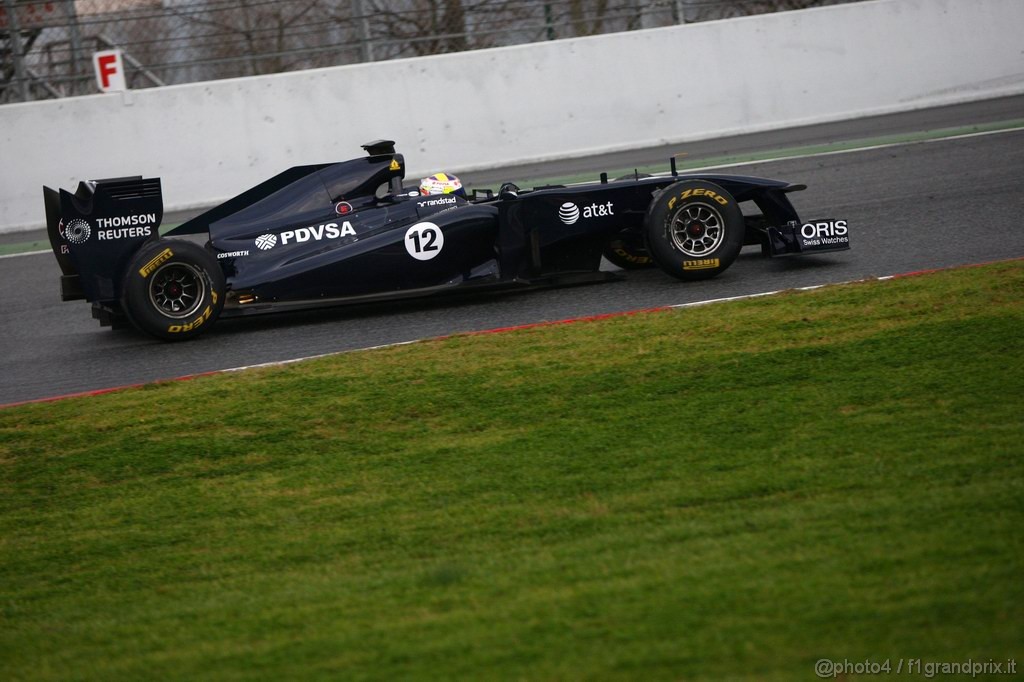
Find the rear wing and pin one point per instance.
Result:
(95, 231)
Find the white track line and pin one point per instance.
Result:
(835, 152)
(280, 363)
(27, 253)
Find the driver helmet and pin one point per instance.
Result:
(441, 183)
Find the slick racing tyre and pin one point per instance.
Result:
(694, 230)
(627, 251)
(173, 289)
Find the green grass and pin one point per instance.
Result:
(732, 491)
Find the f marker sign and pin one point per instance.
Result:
(109, 69)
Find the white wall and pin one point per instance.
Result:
(209, 141)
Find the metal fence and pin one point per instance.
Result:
(46, 47)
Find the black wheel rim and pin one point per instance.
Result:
(697, 229)
(177, 290)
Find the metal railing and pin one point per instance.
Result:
(46, 47)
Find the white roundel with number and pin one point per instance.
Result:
(423, 241)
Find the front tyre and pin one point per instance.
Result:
(173, 289)
(694, 230)
(627, 251)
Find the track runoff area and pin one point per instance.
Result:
(39, 245)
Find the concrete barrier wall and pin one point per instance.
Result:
(208, 141)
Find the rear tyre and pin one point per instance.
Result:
(694, 230)
(173, 289)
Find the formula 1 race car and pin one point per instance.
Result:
(350, 232)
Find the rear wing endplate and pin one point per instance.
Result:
(95, 231)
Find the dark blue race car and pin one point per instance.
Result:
(351, 232)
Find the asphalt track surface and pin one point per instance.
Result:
(910, 207)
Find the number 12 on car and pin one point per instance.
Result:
(423, 241)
